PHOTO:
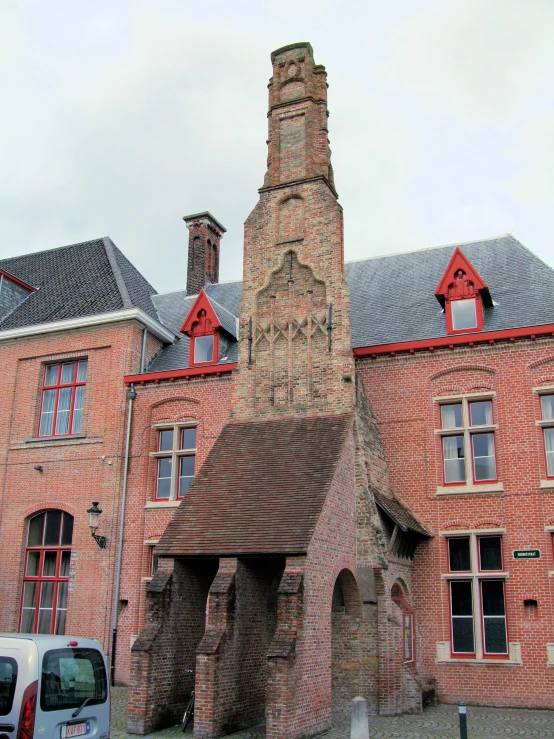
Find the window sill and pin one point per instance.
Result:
(483, 575)
(547, 484)
(50, 439)
(494, 487)
(456, 661)
(146, 579)
(163, 504)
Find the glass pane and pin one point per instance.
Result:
(547, 406)
(52, 531)
(462, 635)
(164, 467)
(78, 409)
(27, 620)
(30, 595)
(68, 372)
(481, 412)
(8, 680)
(493, 597)
(164, 488)
(490, 549)
(64, 564)
(35, 531)
(203, 349)
(47, 595)
(49, 564)
(462, 604)
(67, 530)
(51, 377)
(496, 641)
(165, 440)
(62, 595)
(483, 456)
(451, 416)
(184, 485)
(44, 621)
(64, 404)
(549, 447)
(82, 371)
(454, 467)
(464, 314)
(33, 562)
(60, 621)
(47, 413)
(187, 466)
(460, 560)
(188, 438)
(71, 675)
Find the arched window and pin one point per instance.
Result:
(46, 578)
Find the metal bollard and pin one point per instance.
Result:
(359, 728)
(462, 712)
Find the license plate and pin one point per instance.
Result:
(75, 730)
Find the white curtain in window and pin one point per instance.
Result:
(547, 403)
(448, 415)
(549, 446)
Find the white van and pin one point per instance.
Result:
(53, 687)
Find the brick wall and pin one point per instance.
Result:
(401, 391)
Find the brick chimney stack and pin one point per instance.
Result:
(205, 234)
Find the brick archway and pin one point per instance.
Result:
(346, 641)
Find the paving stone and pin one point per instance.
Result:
(436, 722)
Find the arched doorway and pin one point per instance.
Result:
(347, 640)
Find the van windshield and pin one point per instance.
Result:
(71, 675)
(8, 679)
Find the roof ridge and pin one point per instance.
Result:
(119, 281)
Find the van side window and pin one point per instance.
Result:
(70, 676)
(8, 679)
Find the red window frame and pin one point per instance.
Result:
(175, 454)
(461, 655)
(479, 315)
(215, 351)
(468, 432)
(493, 655)
(56, 579)
(544, 430)
(57, 387)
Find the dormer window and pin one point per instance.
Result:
(463, 294)
(464, 314)
(203, 350)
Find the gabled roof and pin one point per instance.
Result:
(260, 490)
(459, 262)
(75, 281)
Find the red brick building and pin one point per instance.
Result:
(73, 322)
(372, 449)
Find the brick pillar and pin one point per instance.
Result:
(205, 234)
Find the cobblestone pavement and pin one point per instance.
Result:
(438, 722)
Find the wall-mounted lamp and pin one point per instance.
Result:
(39, 468)
(93, 517)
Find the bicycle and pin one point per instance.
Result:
(189, 710)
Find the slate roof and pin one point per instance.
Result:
(392, 297)
(268, 500)
(73, 281)
(393, 300)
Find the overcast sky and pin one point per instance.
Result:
(118, 118)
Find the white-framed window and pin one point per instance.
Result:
(476, 584)
(468, 444)
(175, 459)
(547, 423)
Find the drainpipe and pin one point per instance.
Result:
(131, 395)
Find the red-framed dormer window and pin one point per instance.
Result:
(201, 326)
(463, 294)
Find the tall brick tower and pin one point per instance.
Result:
(205, 234)
(276, 573)
(295, 351)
